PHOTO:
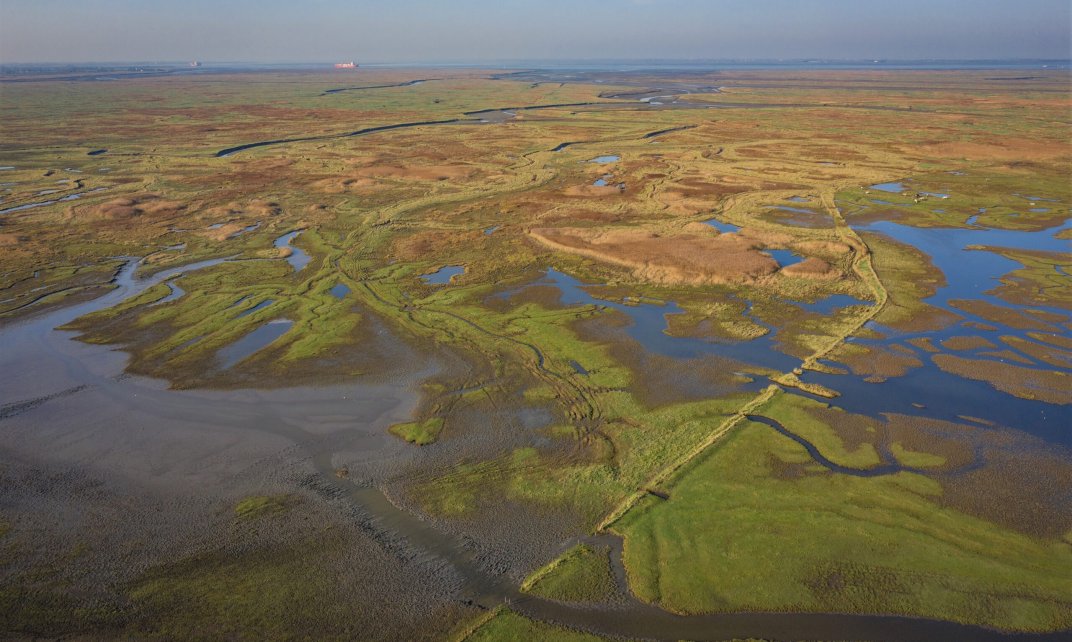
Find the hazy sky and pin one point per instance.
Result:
(485, 30)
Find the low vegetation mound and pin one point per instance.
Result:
(686, 258)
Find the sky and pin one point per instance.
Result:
(430, 31)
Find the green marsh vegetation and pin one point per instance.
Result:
(751, 521)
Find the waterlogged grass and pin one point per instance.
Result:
(263, 594)
(420, 433)
(582, 574)
(507, 626)
(794, 413)
(261, 505)
(612, 464)
(915, 459)
(739, 533)
(752, 524)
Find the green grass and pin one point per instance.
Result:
(736, 535)
(420, 433)
(507, 626)
(256, 595)
(582, 574)
(261, 505)
(793, 412)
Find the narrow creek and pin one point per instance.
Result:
(308, 416)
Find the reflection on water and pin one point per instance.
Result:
(649, 327)
(725, 228)
(969, 273)
(260, 306)
(443, 275)
(252, 342)
(298, 259)
(893, 188)
(175, 293)
(785, 258)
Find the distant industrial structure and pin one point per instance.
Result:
(346, 65)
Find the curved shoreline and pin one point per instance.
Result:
(487, 589)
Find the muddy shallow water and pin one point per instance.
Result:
(66, 405)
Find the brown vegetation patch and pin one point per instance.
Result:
(812, 268)
(117, 209)
(1007, 355)
(966, 343)
(1056, 339)
(877, 363)
(1047, 354)
(824, 248)
(1027, 383)
(423, 244)
(678, 259)
(415, 172)
(998, 314)
(999, 149)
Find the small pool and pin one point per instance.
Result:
(340, 291)
(253, 342)
(298, 259)
(260, 306)
(604, 160)
(725, 228)
(443, 275)
(785, 258)
(892, 188)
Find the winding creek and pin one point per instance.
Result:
(61, 369)
(65, 368)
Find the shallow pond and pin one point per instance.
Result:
(340, 291)
(443, 275)
(725, 228)
(256, 340)
(893, 188)
(298, 259)
(649, 325)
(785, 258)
(604, 160)
(257, 308)
(799, 216)
(970, 274)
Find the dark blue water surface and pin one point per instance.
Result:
(725, 228)
(649, 326)
(970, 273)
(298, 259)
(443, 275)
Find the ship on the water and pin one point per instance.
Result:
(346, 65)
